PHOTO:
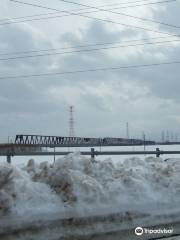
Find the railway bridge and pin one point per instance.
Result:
(38, 145)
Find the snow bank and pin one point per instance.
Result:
(78, 183)
(20, 195)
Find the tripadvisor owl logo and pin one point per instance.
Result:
(139, 231)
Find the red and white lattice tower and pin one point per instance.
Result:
(71, 121)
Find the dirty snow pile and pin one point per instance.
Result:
(20, 195)
(78, 182)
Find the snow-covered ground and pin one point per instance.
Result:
(76, 186)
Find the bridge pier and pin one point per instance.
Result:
(54, 154)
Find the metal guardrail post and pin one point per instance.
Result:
(92, 153)
(158, 152)
(8, 158)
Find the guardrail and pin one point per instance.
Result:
(91, 153)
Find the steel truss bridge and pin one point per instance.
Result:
(55, 141)
(37, 145)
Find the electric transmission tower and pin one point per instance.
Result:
(167, 136)
(71, 121)
(163, 136)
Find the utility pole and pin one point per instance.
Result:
(176, 136)
(127, 130)
(144, 140)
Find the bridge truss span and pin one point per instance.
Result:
(55, 140)
(76, 141)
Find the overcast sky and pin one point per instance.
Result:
(148, 98)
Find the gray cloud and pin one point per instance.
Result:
(104, 101)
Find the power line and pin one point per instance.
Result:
(67, 15)
(27, 16)
(94, 18)
(44, 14)
(90, 70)
(120, 13)
(83, 46)
(107, 5)
(86, 50)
